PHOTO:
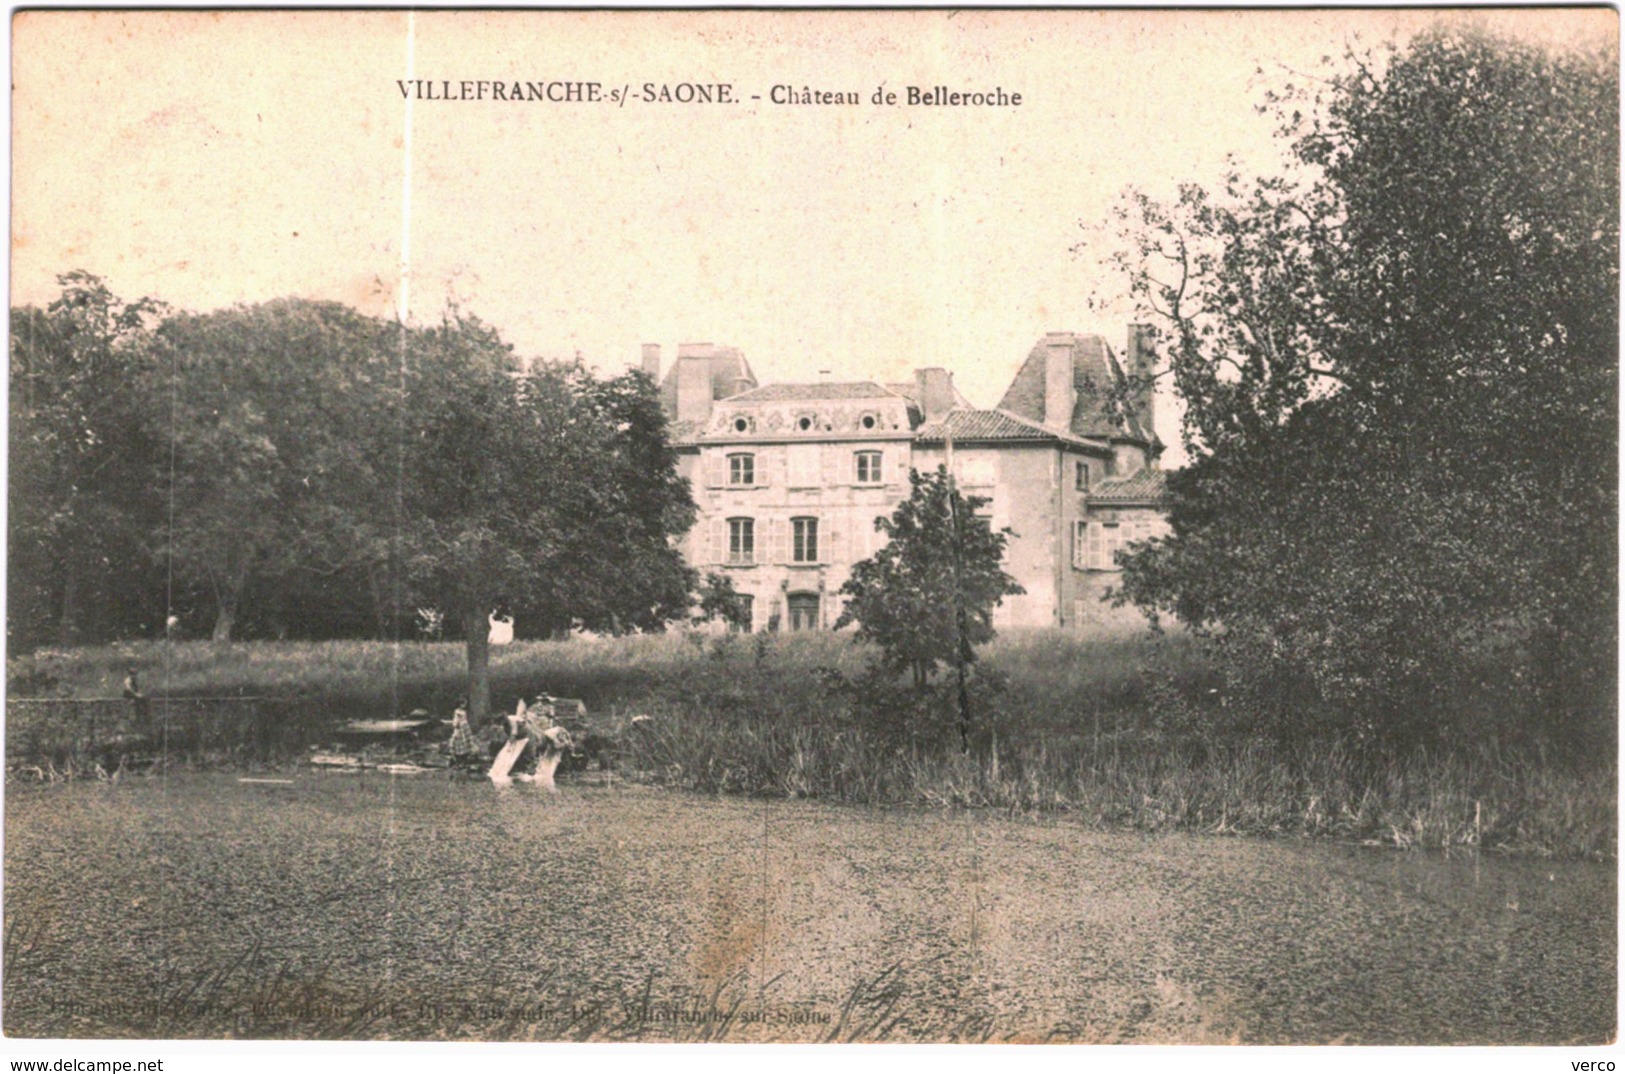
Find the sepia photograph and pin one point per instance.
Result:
(1048, 527)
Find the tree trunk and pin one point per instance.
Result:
(380, 613)
(275, 614)
(225, 615)
(476, 629)
(68, 624)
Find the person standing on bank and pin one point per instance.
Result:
(133, 694)
(462, 747)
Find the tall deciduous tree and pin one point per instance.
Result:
(470, 462)
(1399, 365)
(625, 495)
(270, 409)
(81, 456)
(545, 490)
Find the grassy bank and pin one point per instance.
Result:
(1110, 730)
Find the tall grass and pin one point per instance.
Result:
(393, 678)
(1461, 799)
(1118, 732)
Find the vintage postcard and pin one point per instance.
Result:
(812, 526)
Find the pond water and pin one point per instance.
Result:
(419, 907)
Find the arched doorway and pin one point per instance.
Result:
(803, 611)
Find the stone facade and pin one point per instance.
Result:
(789, 478)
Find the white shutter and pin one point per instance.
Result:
(830, 466)
(779, 546)
(716, 474)
(1080, 544)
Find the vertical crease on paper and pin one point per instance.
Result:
(403, 306)
(403, 291)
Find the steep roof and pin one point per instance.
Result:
(1094, 371)
(966, 424)
(1142, 486)
(727, 367)
(783, 393)
(910, 390)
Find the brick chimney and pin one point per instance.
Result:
(1140, 363)
(1060, 387)
(694, 382)
(651, 361)
(935, 387)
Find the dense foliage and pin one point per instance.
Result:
(81, 447)
(296, 469)
(1399, 366)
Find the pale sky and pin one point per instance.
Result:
(213, 158)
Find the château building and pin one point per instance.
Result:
(789, 478)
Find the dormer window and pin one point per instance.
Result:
(742, 469)
(741, 425)
(868, 421)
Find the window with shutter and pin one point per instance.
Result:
(741, 541)
(868, 468)
(1111, 541)
(746, 619)
(1080, 545)
(804, 540)
(741, 469)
